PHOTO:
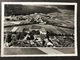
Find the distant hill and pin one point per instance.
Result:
(27, 9)
(69, 7)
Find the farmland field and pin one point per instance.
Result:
(50, 28)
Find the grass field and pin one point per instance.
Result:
(22, 51)
(38, 50)
(50, 28)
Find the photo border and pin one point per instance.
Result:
(41, 3)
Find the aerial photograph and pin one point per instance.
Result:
(38, 29)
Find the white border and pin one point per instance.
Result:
(38, 3)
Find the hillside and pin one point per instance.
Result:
(29, 9)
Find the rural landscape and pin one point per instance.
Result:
(39, 26)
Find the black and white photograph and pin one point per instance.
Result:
(39, 29)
